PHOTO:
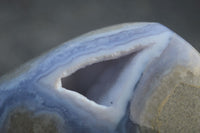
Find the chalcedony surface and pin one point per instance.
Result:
(134, 77)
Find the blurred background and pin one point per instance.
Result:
(30, 27)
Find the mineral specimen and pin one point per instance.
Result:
(134, 77)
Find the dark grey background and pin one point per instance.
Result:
(31, 27)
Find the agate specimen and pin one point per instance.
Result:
(138, 77)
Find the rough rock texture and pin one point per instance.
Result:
(168, 100)
(22, 120)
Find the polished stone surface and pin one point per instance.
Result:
(133, 77)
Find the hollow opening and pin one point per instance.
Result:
(95, 81)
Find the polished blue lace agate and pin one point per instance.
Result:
(133, 77)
